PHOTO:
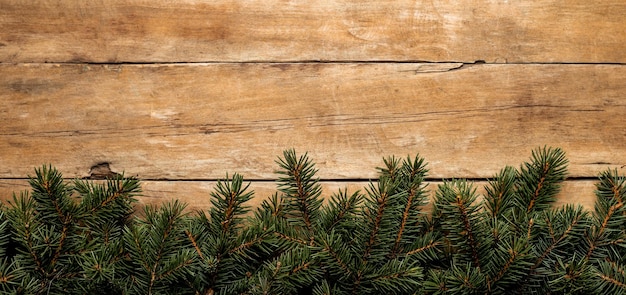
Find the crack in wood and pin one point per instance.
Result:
(441, 67)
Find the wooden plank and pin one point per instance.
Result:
(196, 194)
(202, 121)
(577, 31)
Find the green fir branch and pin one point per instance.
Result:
(501, 192)
(381, 208)
(558, 233)
(228, 204)
(609, 216)
(610, 278)
(82, 238)
(341, 211)
(540, 180)
(456, 200)
(412, 176)
(301, 190)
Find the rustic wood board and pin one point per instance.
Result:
(577, 31)
(202, 121)
(196, 194)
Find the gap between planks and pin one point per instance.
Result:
(209, 62)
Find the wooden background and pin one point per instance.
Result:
(179, 93)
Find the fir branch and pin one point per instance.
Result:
(341, 209)
(501, 192)
(610, 214)
(540, 185)
(378, 215)
(615, 242)
(291, 239)
(548, 223)
(178, 262)
(300, 267)
(415, 169)
(431, 244)
(465, 278)
(611, 278)
(540, 180)
(275, 207)
(228, 204)
(59, 248)
(6, 277)
(356, 286)
(5, 231)
(409, 178)
(336, 256)
(531, 223)
(255, 241)
(247, 245)
(436, 282)
(372, 243)
(391, 169)
(51, 196)
(618, 268)
(33, 253)
(394, 277)
(461, 219)
(575, 222)
(301, 189)
(507, 265)
(288, 273)
(406, 214)
(112, 199)
(135, 235)
(324, 288)
(171, 214)
(158, 244)
(509, 261)
(22, 217)
(571, 277)
(194, 243)
(469, 232)
(571, 225)
(612, 281)
(603, 226)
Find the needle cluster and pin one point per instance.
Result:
(84, 237)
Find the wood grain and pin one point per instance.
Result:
(201, 121)
(196, 194)
(113, 31)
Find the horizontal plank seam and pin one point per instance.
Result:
(341, 180)
(477, 62)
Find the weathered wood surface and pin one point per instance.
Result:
(112, 31)
(196, 194)
(201, 121)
